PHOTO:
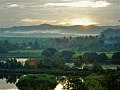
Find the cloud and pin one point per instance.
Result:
(15, 5)
(67, 0)
(24, 5)
(35, 32)
(87, 3)
(37, 20)
(12, 11)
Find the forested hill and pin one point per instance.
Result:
(111, 33)
(47, 30)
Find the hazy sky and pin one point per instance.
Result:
(62, 12)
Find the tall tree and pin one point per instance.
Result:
(79, 62)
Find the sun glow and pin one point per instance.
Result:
(83, 21)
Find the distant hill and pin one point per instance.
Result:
(47, 30)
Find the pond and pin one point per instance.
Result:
(8, 81)
(110, 66)
(7, 86)
(22, 60)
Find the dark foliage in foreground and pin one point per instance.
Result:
(37, 82)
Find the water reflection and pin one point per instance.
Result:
(7, 86)
(7, 81)
(22, 60)
(70, 83)
(59, 87)
(10, 78)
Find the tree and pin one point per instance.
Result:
(49, 52)
(12, 64)
(96, 68)
(31, 63)
(3, 50)
(86, 56)
(92, 82)
(78, 62)
(111, 80)
(74, 83)
(67, 54)
(90, 57)
(37, 82)
(44, 62)
(116, 57)
(102, 57)
(1, 64)
(36, 44)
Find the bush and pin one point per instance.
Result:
(37, 82)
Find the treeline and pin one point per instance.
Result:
(85, 43)
(101, 80)
(6, 46)
(87, 57)
(92, 57)
(10, 64)
(52, 58)
(110, 32)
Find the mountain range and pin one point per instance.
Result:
(47, 30)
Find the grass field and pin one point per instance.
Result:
(38, 53)
(22, 53)
(109, 54)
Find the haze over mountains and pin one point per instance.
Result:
(47, 30)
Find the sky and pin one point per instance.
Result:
(59, 12)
